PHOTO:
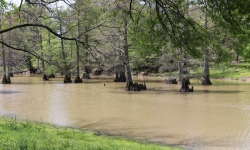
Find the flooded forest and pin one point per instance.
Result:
(150, 70)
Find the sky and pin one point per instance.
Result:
(17, 2)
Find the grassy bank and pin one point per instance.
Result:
(236, 71)
(23, 135)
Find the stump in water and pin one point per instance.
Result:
(129, 86)
(136, 87)
(117, 79)
(45, 77)
(120, 78)
(6, 80)
(10, 74)
(78, 79)
(206, 82)
(143, 86)
(184, 87)
(52, 76)
(85, 76)
(171, 81)
(67, 78)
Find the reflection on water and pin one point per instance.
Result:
(9, 92)
(212, 117)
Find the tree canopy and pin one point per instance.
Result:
(76, 35)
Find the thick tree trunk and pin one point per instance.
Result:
(185, 85)
(67, 78)
(87, 68)
(10, 72)
(45, 77)
(180, 70)
(77, 79)
(129, 81)
(206, 80)
(6, 79)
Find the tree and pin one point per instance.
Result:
(31, 20)
(233, 17)
(6, 79)
(206, 80)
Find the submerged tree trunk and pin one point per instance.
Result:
(77, 79)
(180, 70)
(87, 68)
(10, 72)
(45, 76)
(52, 75)
(185, 85)
(129, 81)
(6, 79)
(206, 80)
(67, 77)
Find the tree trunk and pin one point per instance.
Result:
(43, 65)
(129, 81)
(206, 80)
(86, 65)
(63, 51)
(67, 77)
(237, 58)
(5, 79)
(77, 79)
(180, 70)
(10, 72)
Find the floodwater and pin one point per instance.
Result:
(212, 117)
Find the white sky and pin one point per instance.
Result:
(17, 2)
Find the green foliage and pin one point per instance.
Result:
(246, 53)
(52, 69)
(2, 4)
(155, 28)
(28, 61)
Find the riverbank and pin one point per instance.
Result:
(240, 71)
(18, 134)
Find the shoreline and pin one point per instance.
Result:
(17, 125)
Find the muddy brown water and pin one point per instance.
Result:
(212, 117)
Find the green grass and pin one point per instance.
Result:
(24, 135)
(233, 71)
(237, 71)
